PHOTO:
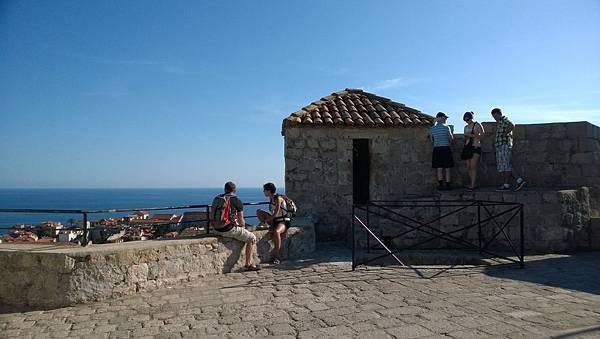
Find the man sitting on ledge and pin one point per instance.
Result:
(227, 219)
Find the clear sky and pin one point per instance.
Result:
(193, 93)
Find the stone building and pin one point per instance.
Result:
(354, 146)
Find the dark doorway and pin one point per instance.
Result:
(360, 170)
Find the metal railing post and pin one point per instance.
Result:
(207, 219)
(84, 240)
(368, 238)
(353, 241)
(521, 221)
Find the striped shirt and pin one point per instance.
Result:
(441, 135)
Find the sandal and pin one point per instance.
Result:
(251, 268)
(275, 261)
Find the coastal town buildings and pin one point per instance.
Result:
(137, 226)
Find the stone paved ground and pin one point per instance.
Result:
(555, 296)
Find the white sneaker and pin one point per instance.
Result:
(503, 188)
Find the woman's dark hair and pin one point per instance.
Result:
(468, 116)
(270, 187)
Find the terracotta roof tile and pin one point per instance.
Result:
(353, 107)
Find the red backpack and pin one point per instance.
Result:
(221, 211)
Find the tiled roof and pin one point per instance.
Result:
(165, 217)
(353, 107)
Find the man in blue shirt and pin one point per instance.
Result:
(442, 154)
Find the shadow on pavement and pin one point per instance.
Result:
(578, 271)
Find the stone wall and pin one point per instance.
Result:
(32, 276)
(318, 166)
(318, 171)
(554, 221)
(553, 155)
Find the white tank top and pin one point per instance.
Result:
(282, 208)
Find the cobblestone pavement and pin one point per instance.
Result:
(554, 296)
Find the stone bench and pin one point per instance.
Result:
(48, 276)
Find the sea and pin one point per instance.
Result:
(109, 198)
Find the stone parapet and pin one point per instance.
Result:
(35, 276)
(551, 155)
(554, 221)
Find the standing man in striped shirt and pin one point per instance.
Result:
(442, 154)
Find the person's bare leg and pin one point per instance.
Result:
(249, 248)
(447, 174)
(440, 174)
(262, 215)
(279, 229)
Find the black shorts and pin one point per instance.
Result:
(442, 157)
(477, 150)
(277, 221)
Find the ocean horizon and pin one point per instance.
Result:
(106, 198)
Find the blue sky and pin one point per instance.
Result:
(190, 93)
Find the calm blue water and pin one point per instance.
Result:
(108, 198)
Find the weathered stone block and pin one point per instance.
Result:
(590, 171)
(558, 131)
(291, 133)
(294, 153)
(588, 145)
(585, 158)
(328, 144)
(312, 143)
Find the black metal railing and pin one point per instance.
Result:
(85, 214)
(486, 216)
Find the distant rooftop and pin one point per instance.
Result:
(354, 107)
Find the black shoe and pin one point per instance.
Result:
(448, 188)
(251, 268)
(520, 184)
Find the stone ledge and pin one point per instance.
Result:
(555, 220)
(38, 276)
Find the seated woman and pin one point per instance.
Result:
(277, 218)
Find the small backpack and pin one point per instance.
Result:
(290, 205)
(221, 211)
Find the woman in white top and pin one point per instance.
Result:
(472, 153)
(278, 218)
